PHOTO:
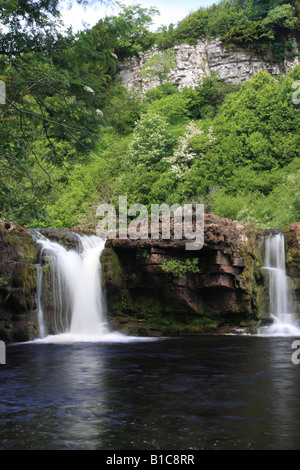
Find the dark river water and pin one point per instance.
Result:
(204, 392)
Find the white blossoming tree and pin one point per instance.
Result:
(153, 141)
(184, 154)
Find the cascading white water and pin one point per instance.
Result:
(78, 299)
(281, 305)
(40, 318)
(88, 310)
(76, 294)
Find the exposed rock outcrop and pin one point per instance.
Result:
(223, 285)
(292, 243)
(18, 258)
(153, 286)
(194, 62)
(64, 237)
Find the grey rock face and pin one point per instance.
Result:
(193, 62)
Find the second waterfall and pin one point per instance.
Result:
(282, 309)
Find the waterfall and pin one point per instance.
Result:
(40, 313)
(77, 296)
(281, 305)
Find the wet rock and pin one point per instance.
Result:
(66, 238)
(292, 243)
(18, 258)
(224, 286)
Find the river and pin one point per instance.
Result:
(202, 392)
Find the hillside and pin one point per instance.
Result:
(74, 136)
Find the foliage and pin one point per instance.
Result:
(160, 66)
(73, 200)
(122, 109)
(184, 154)
(130, 29)
(193, 27)
(278, 208)
(153, 140)
(180, 268)
(165, 37)
(4, 281)
(56, 86)
(158, 93)
(264, 32)
(173, 108)
(205, 99)
(281, 17)
(242, 163)
(50, 118)
(73, 137)
(239, 23)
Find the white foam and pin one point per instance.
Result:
(113, 337)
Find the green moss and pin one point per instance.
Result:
(24, 276)
(159, 315)
(111, 267)
(292, 253)
(142, 254)
(180, 268)
(253, 277)
(18, 245)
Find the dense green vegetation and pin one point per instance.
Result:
(73, 137)
(258, 25)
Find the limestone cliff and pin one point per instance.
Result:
(194, 62)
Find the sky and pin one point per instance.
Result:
(171, 11)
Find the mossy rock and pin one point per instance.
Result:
(112, 271)
(18, 245)
(292, 245)
(18, 255)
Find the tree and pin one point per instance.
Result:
(282, 17)
(205, 99)
(54, 97)
(183, 156)
(153, 140)
(160, 66)
(130, 28)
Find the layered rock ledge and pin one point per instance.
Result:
(159, 286)
(154, 287)
(193, 62)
